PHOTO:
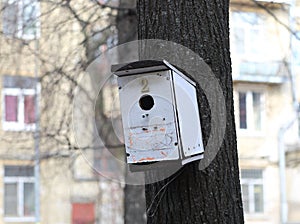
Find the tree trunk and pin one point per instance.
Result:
(134, 195)
(212, 195)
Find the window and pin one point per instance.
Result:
(105, 162)
(18, 103)
(19, 109)
(19, 193)
(20, 18)
(250, 110)
(83, 213)
(252, 190)
(249, 33)
(249, 36)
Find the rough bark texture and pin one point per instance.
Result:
(212, 195)
(134, 195)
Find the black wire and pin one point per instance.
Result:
(163, 190)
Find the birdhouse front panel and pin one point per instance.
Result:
(148, 117)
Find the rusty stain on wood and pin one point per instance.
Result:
(163, 153)
(146, 159)
(162, 129)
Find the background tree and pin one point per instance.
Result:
(134, 195)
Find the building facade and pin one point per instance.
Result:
(264, 75)
(45, 47)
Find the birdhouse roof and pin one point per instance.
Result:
(147, 66)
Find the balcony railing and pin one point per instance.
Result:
(266, 72)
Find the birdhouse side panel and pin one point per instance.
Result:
(188, 116)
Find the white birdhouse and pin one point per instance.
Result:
(160, 113)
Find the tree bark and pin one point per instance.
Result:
(212, 195)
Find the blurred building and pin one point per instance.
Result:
(265, 62)
(44, 46)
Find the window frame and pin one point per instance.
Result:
(20, 125)
(251, 182)
(20, 181)
(20, 20)
(250, 129)
(248, 31)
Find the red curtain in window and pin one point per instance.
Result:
(11, 108)
(83, 213)
(29, 109)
